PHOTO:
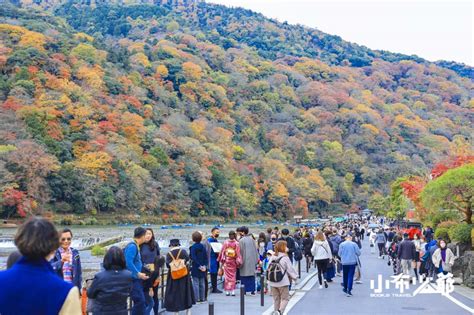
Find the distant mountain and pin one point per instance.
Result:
(197, 110)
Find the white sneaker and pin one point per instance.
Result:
(320, 286)
(359, 282)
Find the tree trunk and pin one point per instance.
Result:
(468, 213)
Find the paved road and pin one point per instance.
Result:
(229, 305)
(333, 301)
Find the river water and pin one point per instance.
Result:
(87, 235)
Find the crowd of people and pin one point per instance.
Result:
(418, 252)
(51, 269)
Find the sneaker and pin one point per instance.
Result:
(216, 291)
(358, 282)
(348, 294)
(344, 290)
(227, 293)
(325, 284)
(252, 294)
(233, 293)
(320, 286)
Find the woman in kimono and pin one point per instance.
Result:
(230, 259)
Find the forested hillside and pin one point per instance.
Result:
(203, 110)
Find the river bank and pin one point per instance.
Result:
(85, 236)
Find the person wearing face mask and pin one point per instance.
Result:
(33, 286)
(443, 258)
(261, 242)
(66, 261)
(271, 244)
(213, 262)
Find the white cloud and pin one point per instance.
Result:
(432, 29)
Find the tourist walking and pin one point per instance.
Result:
(443, 258)
(111, 288)
(179, 294)
(418, 249)
(33, 285)
(349, 253)
(66, 261)
(381, 239)
(291, 244)
(406, 254)
(280, 274)
(230, 259)
(322, 254)
(248, 250)
(336, 240)
(198, 267)
(134, 264)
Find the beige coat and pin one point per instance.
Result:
(449, 262)
(285, 262)
(72, 304)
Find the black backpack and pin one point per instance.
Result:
(298, 254)
(275, 272)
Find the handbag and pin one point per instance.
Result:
(220, 272)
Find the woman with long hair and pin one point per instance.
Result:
(443, 258)
(416, 261)
(149, 251)
(322, 254)
(231, 260)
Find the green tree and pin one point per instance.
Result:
(453, 190)
(379, 204)
(399, 203)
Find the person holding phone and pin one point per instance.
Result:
(66, 261)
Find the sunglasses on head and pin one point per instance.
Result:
(66, 239)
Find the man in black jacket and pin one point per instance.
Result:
(406, 254)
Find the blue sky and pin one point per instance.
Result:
(432, 29)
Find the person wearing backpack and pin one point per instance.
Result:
(280, 273)
(134, 265)
(179, 295)
(230, 259)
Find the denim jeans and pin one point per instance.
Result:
(198, 286)
(138, 297)
(149, 303)
(348, 276)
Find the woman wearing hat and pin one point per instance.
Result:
(179, 294)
